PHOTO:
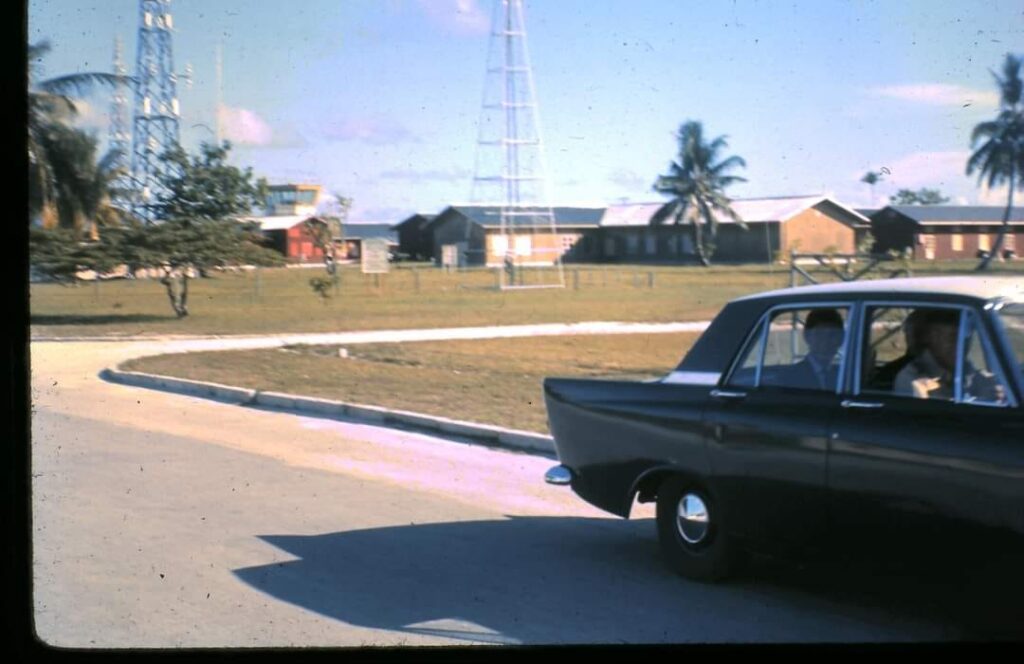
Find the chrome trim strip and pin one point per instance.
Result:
(961, 344)
(692, 378)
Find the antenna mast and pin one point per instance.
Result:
(156, 110)
(119, 138)
(510, 169)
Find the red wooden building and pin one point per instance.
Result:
(289, 236)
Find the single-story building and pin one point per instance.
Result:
(288, 235)
(809, 224)
(945, 232)
(351, 245)
(476, 231)
(414, 237)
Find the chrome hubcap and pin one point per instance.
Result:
(692, 518)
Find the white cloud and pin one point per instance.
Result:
(376, 131)
(938, 94)
(927, 169)
(465, 17)
(244, 127)
(412, 175)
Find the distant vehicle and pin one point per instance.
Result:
(859, 408)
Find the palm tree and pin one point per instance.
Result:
(50, 106)
(696, 183)
(999, 146)
(82, 186)
(871, 178)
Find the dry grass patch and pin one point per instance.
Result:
(492, 381)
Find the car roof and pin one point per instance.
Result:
(981, 287)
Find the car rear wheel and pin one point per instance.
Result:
(691, 533)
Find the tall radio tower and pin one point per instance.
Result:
(156, 111)
(119, 138)
(510, 170)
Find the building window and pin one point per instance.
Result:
(983, 242)
(1010, 242)
(499, 245)
(568, 242)
(632, 245)
(673, 244)
(523, 245)
(609, 247)
(956, 242)
(651, 244)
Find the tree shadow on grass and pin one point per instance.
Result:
(96, 319)
(548, 580)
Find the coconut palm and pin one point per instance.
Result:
(696, 183)
(871, 178)
(51, 104)
(999, 146)
(82, 186)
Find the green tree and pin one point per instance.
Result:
(82, 186)
(328, 229)
(51, 105)
(922, 196)
(998, 146)
(696, 182)
(201, 223)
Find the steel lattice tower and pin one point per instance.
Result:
(156, 112)
(510, 170)
(119, 138)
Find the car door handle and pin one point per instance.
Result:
(849, 403)
(724, 394)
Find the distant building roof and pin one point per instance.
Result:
(356, 231)
(956, 214)
(280, 222)
(489, 216)
(421, 219)
(771, 208)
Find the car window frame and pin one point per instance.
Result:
(988, 348)
(1006, 353)
(761, 329)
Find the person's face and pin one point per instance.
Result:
(942, 344)
(824, 340)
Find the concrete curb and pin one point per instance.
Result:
(526, 441)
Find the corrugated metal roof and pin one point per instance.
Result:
(753, 210)
(979, 214)
(365, 231)
(489, 216)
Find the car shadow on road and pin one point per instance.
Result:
(543, 580)
(95, 319)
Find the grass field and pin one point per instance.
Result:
(493, 381)
(281, 300)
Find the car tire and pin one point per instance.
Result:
(691, 531)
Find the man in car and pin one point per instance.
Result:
(885, 377)
(823, 333)
(931, 374)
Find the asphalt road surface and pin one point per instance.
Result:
(163, 521)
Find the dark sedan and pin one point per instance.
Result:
(859, 407)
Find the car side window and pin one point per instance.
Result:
(937, 353)
(800, 349)
(981, 382)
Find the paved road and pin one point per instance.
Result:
(162, 520)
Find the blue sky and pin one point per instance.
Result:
(380, 99)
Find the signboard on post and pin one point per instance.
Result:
(374, 256)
